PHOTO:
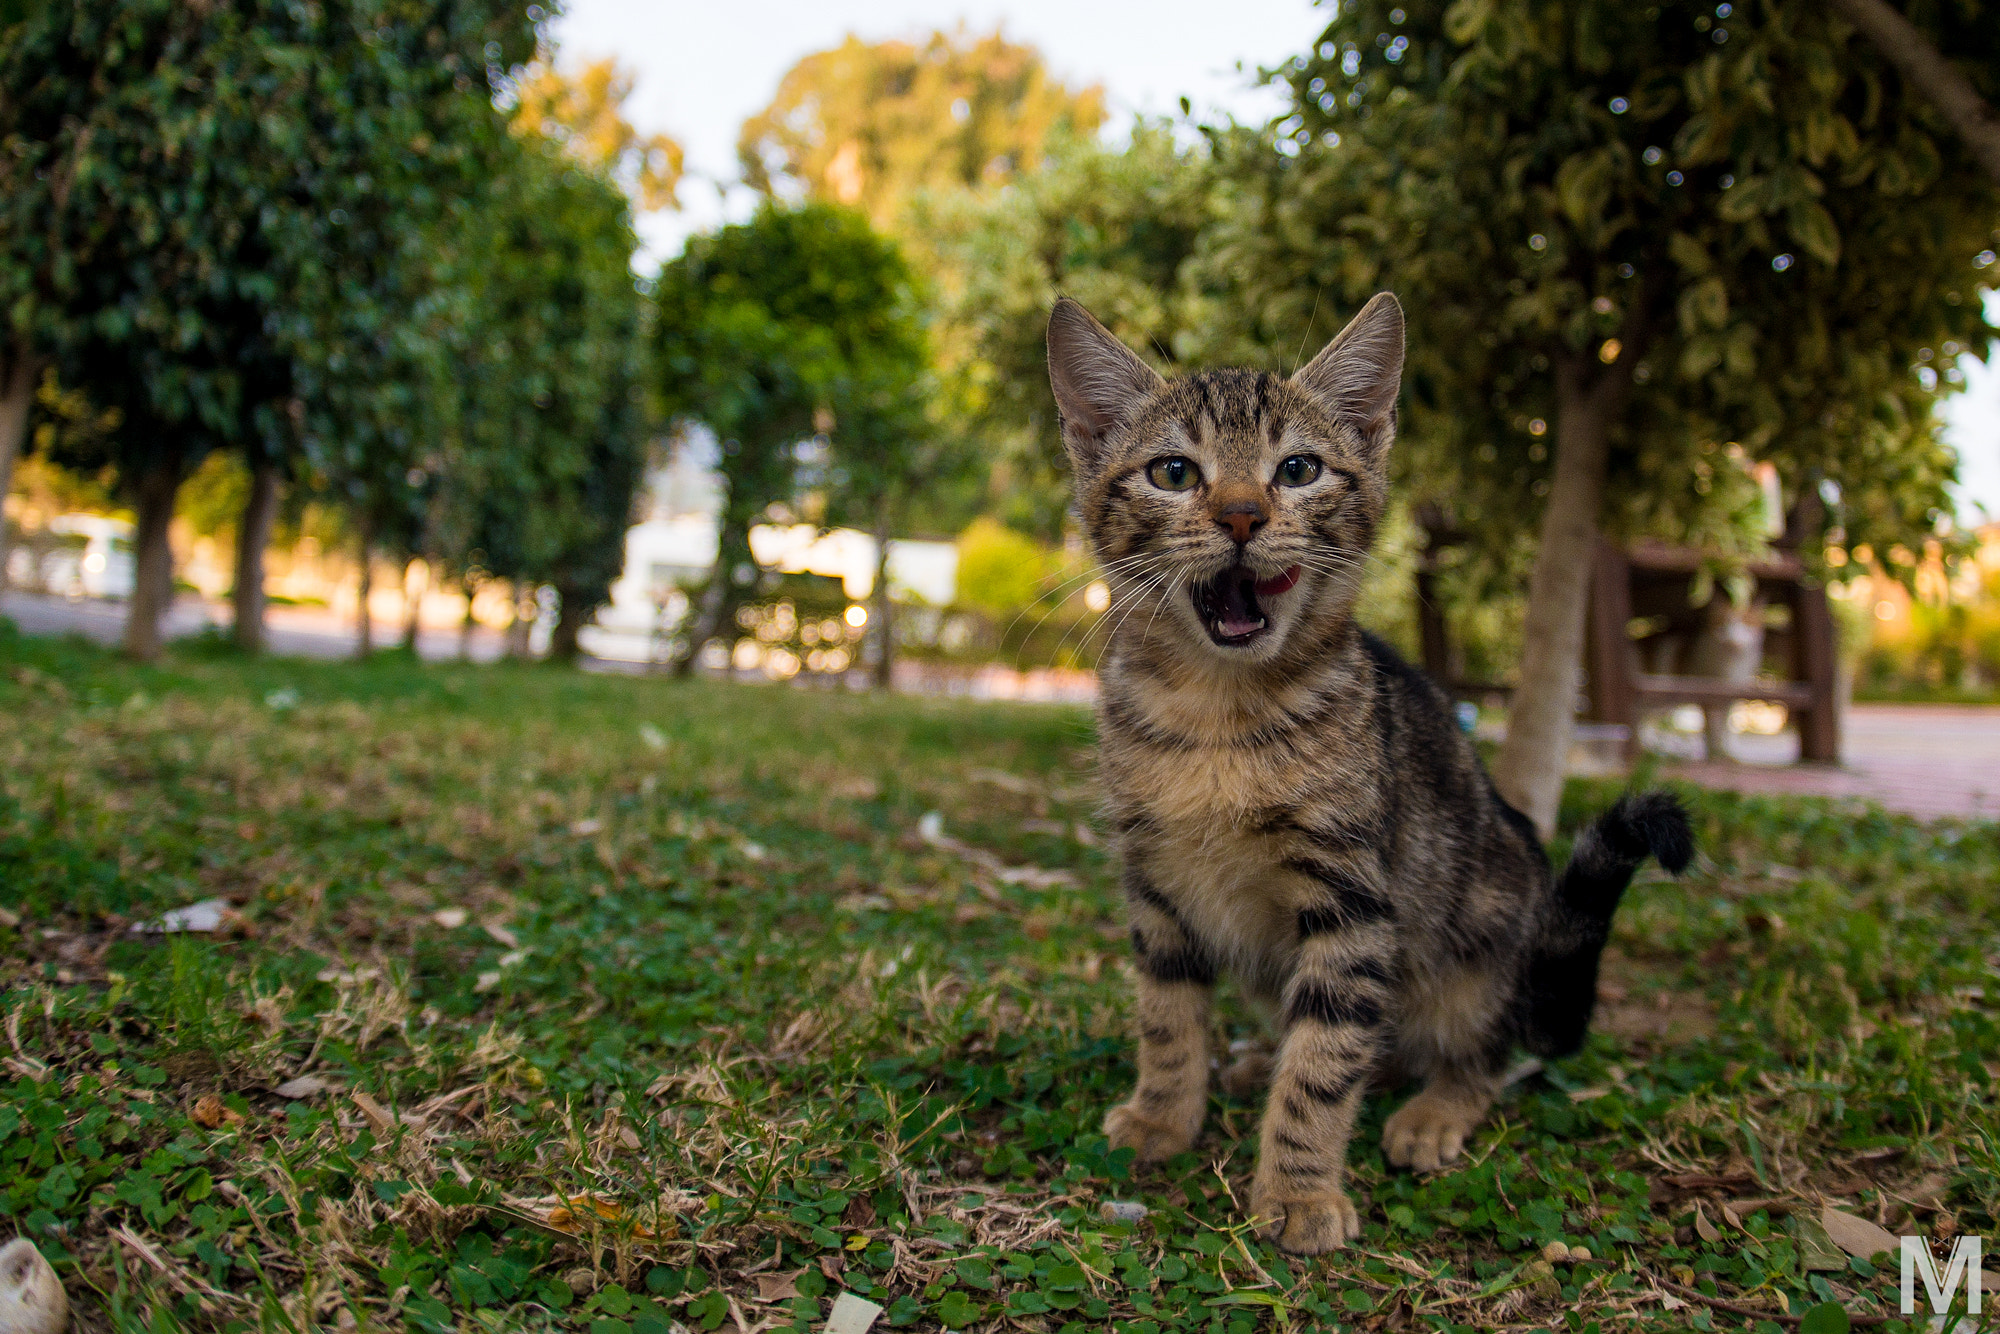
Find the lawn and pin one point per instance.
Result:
(556, 1001)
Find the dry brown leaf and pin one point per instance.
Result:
(1704, 1229)
(779, 1287)
(378, 1116)
(1857, 1236)
(208, 1111)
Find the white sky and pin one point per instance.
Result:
(703, 66)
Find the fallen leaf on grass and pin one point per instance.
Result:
(502, 935)
(1857, 1236)
(450, 918)
(1817, 1253)
(779, 1287)
(208, 1111)
(1704, 1229)
(380, 1117)
(571, 1214)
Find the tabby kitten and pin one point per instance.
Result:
(1294, 804)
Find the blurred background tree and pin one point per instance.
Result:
(584, 113)
(868, 124)
(1112, 227)
(177, 180)
(762, 329)
(1627, 235)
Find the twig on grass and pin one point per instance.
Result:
(1734, 1308)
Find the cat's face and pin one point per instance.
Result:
(1232, 510)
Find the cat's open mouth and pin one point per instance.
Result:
(1230, 605)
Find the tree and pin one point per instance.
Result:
(887, 448)
(1634, 233)
(583, 113)
(548, 437)
(761, 328)
(1954, 88)
(166, 170)
(1114, 228)
(870, 124)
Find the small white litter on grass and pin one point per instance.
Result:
(450, 918)
(1122, 1211)
(282, 699)
(208, 915)
(852, 1315)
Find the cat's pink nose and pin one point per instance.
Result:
(1242, 519)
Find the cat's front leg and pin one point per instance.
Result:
(1336, 1029)
(1176, 982)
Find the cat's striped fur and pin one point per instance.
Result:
(1295, 806)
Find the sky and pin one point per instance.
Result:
(703, 67)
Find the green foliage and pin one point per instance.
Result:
(1000, 572)
(545, 434)
(726, 983)
(871, 124)
(193, 192)
(1112, 228)
(1752, 207)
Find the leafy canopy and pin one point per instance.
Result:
(870, 124)
(765, 326)
(1743, 199)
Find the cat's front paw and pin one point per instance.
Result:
(1305, 1222)
(1429, 1131)
(1153, 1138)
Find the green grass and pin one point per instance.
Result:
(703, 1009)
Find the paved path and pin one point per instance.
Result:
(1927, 760)
(294, 632)
(1924, 759)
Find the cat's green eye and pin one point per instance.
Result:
(1298, 470)
(1173, 474)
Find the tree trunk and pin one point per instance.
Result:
(1529, 770)
(17, 399)
(413, 603)
(571, 616)
(253, 534)
(1931, 75)
(882, 616)
(523, 625)
(153, 564)
(364, 624)
(722, 596)
(466, 626)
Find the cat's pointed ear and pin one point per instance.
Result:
(1099, 384)
(1357, 376)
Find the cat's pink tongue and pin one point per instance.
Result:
(1279, 583)
(1235, 627)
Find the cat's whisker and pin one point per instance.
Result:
(1052, 599)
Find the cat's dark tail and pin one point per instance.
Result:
(1562, 971)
